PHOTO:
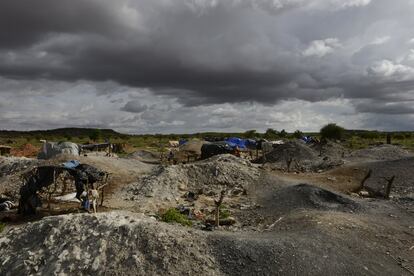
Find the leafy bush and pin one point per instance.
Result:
(283, 133)
(332, 131)
(370, 135)
(298, 134)
(250, 133)
(95, 135)
(2, 226)
(173, 215)
(399, 136)
(224, 213)
(271, 134)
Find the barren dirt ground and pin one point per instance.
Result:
(286, 223)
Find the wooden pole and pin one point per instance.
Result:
(368, 175)
(102, 197)
(218, 204)
(50, 191)
(390, 181)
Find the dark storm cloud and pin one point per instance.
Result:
(23, 23)
(385, 107)
(134, 107)
(210, 52)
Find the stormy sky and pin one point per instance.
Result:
(184, 66)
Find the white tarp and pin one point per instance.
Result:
(51, 149)
(269, 146)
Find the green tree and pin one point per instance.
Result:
(283, 133)
(250, 134)
(332, 131)
(298, 134)
(270, 133)
(95, 135)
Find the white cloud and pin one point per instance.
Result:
(410, 56)
(391, 70)
(380, 40)
(321, 48)
(351, 3)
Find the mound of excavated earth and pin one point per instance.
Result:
(221, 172)
(305, 196)
(382, 152)
(123, 243)
(296, 150)
(330, 149)
(303, 157)
(402, 169)
(116, 243)
(11, 168)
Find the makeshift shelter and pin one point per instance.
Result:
(251, 144)
(209, 150)
(236, 142)
(188, 151)
(173, 144)
(52, 149)
(85, 176)
(269, 146)
(95, 147)
(193, 146)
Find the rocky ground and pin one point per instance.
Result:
(301, 222)
(311, 242)
(11, 170)
(167, 185)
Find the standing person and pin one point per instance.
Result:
(237, 151)
(110, 150)
(170, 156)
(85, 204)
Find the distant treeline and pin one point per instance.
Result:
(102, 134)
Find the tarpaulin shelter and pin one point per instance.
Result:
(209, 150)
(41, 177)
(251, 144)
(236, 142)
(95, 147)
(52, 149)
(192, 146)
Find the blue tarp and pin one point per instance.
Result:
(182, 142)
(251, 144)
(71, 164)
(307, 139)
(236, 142)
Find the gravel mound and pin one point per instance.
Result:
(382, 152)
(11, 168)
(221, 172)
(304, 158)
(305, 196)
(403, 171)
(330, 149)
(12, 165)
(297, 150)
(123, 243)
(115, 243)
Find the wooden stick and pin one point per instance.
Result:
(102, 197)
(365, 179)
(218, 204)
(389, 186)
